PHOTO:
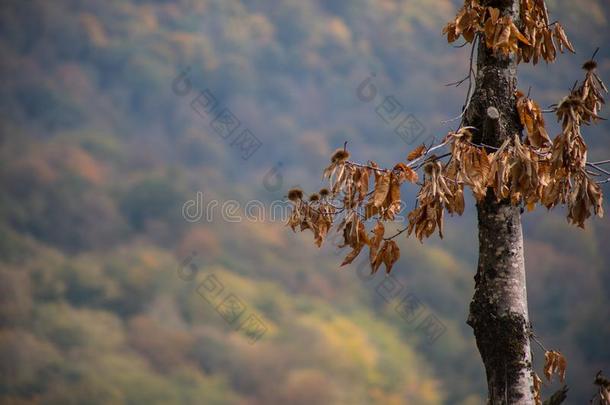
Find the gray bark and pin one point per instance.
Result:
(498, 311)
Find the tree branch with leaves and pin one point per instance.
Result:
(506, 172)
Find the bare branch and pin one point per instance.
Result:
(470, 77)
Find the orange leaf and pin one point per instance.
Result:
(417, 152)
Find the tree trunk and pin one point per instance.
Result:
(498, 311)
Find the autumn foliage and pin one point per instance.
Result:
(534, 171)
(536, 38)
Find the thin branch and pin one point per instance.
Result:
(432, 159)
(535, 339)
(379, 169)
(481, 145)
(461, 46)
(604, 181)
(470, 76)
(596, 167)
(458, 83)
(396, 234)
(594, 53)
(427, 152)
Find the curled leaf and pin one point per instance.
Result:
(417, 152)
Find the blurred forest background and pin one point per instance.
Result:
(98, 155)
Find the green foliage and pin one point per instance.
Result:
(151, 199)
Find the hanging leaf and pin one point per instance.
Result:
(530, 115)
(382, 187)
(537, 389)
(391, 255)
(406, 173)
(378, 232)
(554, 363)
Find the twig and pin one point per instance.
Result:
(461, 46)
(427, 152)
(482, 145)
(431, 159)
(396, 234)
(459, 82)
(379, 169)
(471, 74)
(470, 85)
(594, 53)
(535, 339)
(595, 166)
(604, 181)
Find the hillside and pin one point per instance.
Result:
(101, 147)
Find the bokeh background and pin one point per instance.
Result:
(99, 300)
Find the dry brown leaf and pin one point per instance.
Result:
(378, 232)
(537, 389)
(379, 258)
(554, 363)
(391, 254)
(530, 115)
(417, 152)
(562, 38)
(352, 255)
(382, 187)
(406, 173)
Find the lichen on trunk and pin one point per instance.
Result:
(498, 311)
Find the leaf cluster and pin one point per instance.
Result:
(532, 40)
(536, 171)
